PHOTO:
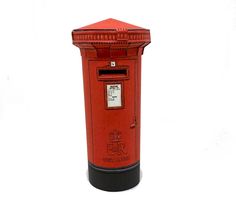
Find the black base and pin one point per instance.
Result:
(114, 179)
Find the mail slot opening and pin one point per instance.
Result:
(119, 72)
(112, 74)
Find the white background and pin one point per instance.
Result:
(188, 149)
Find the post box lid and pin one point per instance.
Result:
(110, 31)
(111, 24)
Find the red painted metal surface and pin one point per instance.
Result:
(111, 53)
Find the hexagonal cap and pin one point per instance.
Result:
(110, 31)
(110, 24)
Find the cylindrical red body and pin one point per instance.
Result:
(111, 53)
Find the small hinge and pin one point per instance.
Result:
(134, 123)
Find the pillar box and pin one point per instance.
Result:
(111, 53)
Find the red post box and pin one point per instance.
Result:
(111, 55)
